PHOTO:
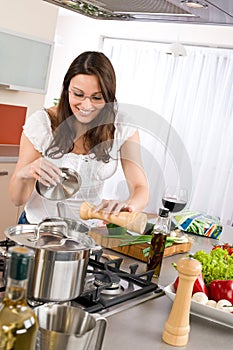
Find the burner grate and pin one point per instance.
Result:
(136, 286)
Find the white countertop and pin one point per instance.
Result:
(141, 327)
(9, 153)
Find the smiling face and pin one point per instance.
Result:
(85, 97)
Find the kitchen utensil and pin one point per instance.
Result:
(176, 330)
(69, 184)
(54, 259)
(132, 221)
(66, 327)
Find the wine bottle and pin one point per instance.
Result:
(18, 323)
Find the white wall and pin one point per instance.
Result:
(31, 17)
(76, 33)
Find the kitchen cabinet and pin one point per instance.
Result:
(8, 213)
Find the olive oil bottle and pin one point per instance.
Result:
(18, 323)
(158, 241)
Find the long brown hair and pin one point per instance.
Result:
(99, 136)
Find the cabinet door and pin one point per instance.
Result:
(9, 212)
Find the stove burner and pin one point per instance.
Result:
(112, 291)
(107, 279)
(109, 283)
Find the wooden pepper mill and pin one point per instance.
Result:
(132, 221)
(176, 331)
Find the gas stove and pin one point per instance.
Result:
(108, 288)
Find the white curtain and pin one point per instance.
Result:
(194, 94)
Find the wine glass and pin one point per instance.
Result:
(174, 199)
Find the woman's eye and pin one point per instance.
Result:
(78, 95)
(97, 98)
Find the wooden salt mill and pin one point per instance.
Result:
(134, 221)
(176, 330)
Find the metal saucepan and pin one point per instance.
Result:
(67, 327)
(69, 184)
(61, 258)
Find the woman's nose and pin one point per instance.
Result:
(87, 101)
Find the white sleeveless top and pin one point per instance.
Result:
(38, 130)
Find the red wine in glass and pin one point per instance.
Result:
(175, 199)
(174, 205)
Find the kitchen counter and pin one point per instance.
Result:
(9, 153)
(141, 327)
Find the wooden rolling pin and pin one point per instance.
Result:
(132, 221)
(176, 331)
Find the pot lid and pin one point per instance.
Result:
(69, 184)
(26, 235)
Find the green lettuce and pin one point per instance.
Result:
(216, 265)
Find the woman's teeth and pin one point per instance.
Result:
(85, 112)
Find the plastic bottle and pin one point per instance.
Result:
(158, 241)
(18, 323)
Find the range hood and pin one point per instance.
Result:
(214, 12)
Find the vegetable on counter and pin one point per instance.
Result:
(222, 304)
(214, 286)
(127, 239)
(199, 285)
(225, 246)
(116, 229)
(200, 297)
(221, 290)
(216, 265)
(170, 240)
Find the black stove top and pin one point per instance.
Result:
(108, 288)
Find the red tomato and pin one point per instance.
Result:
(230, 250)
(225, 246)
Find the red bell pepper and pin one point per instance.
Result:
(199, 285)
(221, 289)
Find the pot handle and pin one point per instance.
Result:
(48, 222)
(101, 332)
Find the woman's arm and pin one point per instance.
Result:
(31, 166)
(135, 177)
(134, 173)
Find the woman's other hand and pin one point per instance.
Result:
(42, 170)
(31, 166)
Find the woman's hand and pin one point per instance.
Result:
(42, 170)
(113, 207)
(31, 166)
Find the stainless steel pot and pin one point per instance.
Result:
(59, 268)
(71, 328)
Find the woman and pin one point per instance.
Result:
(84, 132)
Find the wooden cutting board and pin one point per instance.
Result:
(134, 251)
